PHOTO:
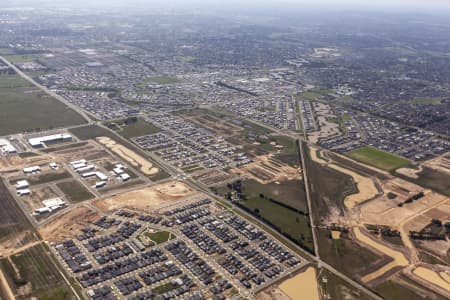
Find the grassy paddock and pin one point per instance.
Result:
(75, 191)
(379, 159)
(36, 267)
(285, 220)
(24, 108)
(137, 128)
(290, 193)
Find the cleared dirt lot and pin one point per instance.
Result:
(303, 286)
(149, 198)
(265, 169)
(386, 212)
(34, 201)
(130, 156)
(67, 225)
(433, 277)
(441, 163)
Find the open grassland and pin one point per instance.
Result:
(344, 254)
(423, 100)
(290, 193)
(432, 179)
(379, 159)
(337, 288)
(24, 108)
(133, 128)
(160, 236)
(164, 80)
(392, 290)
(13, 81)
(75, 191)
(328, 188)
(314, 94)
(285, 220)
(46, 178)
(12, 219)
(20, 58)
(289, 153)
(34, 276)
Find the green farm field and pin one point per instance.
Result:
(25, 108)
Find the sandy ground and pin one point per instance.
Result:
(272, 294)
(68, 224)
(132, 157)
(302, 287)
(411, 173)
(441, 163)
(148, 198)
(9, 295)
(16, 241)
(315, 157)
(445, 276)
(335, 235)
(399, 257)
(432, 277)
(383, 211)
(366, 187)
(264, 165)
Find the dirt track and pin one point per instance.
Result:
(5, 287)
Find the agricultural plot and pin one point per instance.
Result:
(12, 219)
(284, 219)
(25, 108)
(32, 273)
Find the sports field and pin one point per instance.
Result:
(379, 159)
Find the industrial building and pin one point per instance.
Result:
(50, 205)
(31, 170)
(6, 147)
(40, 141)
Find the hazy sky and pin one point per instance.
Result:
(406, 5)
